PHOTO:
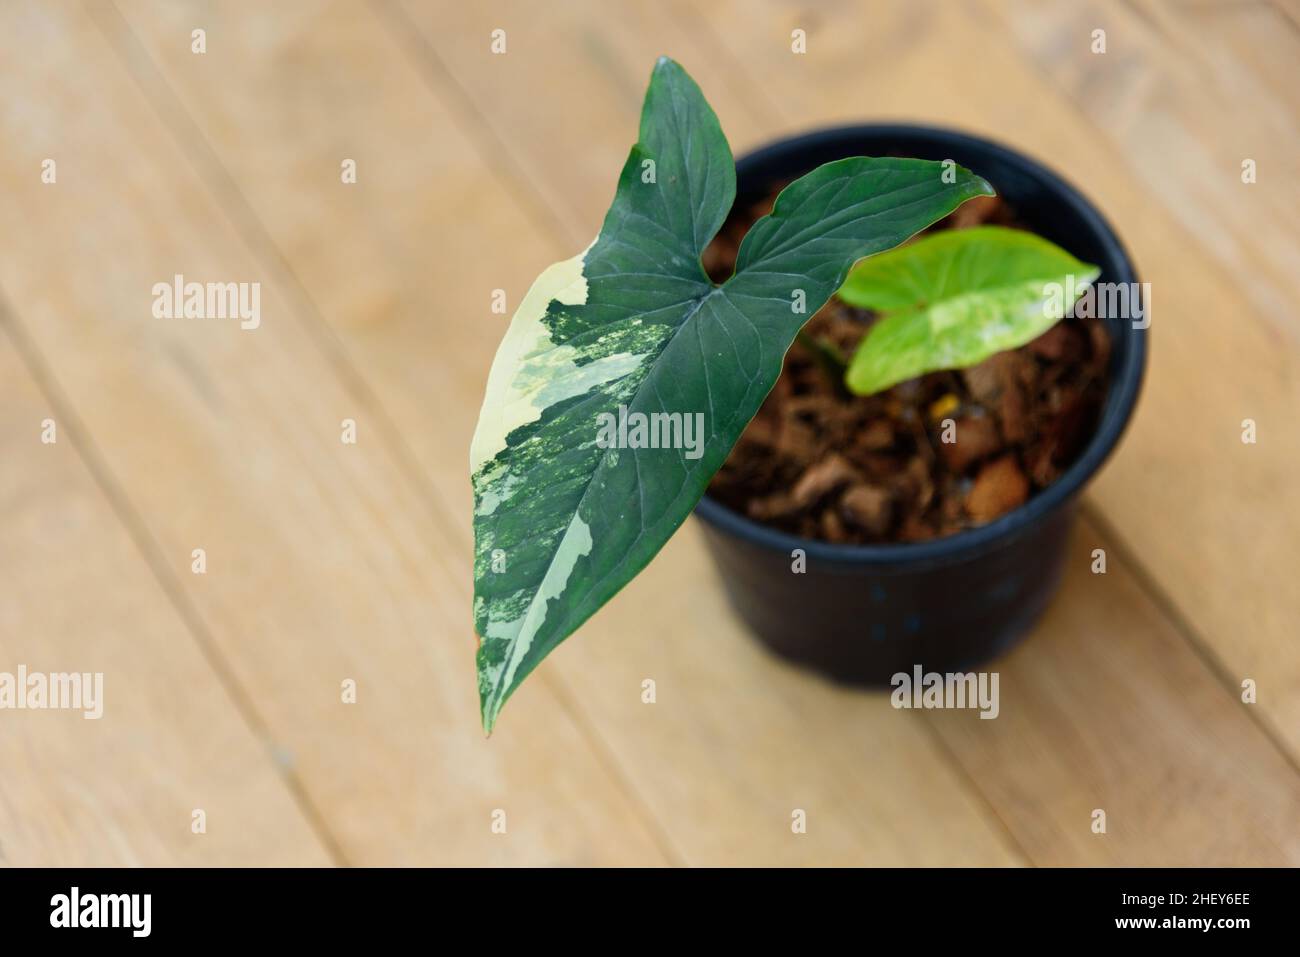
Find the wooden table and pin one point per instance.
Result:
(329, 562)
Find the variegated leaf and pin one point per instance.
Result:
(562, 521)
(955, 298)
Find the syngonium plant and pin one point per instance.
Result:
(633, 325)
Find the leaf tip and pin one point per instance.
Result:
(983, 187)
(489, 714)
(664, 64)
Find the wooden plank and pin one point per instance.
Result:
(1217, 521)
(122, 789)
(891, 52)
(1105, 706)
(324, 564)
(1108, 707)
(1289, 10)
(704, 762)
(575, 148)
(1181, 97)
(1244, 53)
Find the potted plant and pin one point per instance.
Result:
(628, 376)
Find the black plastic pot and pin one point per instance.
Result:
(861, 613)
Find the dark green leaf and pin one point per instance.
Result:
(562, 523)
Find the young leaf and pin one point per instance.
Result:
(561, 522)
(955, 298)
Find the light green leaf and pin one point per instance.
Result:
(634, 327)
(955, 298)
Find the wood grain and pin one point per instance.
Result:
(917, 36)
(1108, 707)
(323, 564)
(331, 561)
(121, 789)
(1216, 521)
(693, 830)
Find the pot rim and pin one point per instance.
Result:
(1117, 410)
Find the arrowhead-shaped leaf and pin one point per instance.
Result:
(562, 522)
(953, 299)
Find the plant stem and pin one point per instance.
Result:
(828, 357)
